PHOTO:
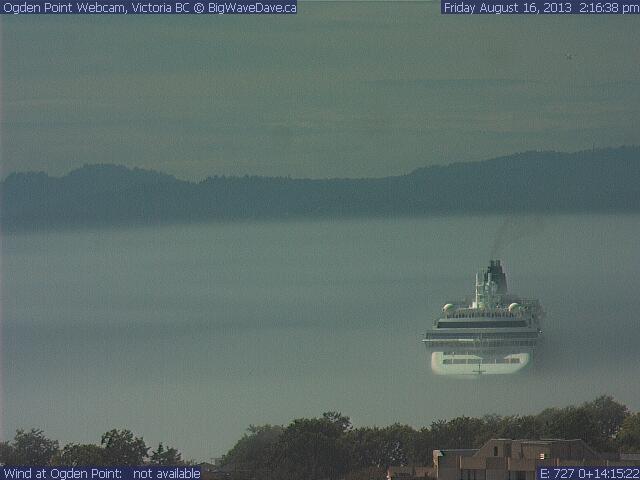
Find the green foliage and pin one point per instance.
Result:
(513, 426)
(166, 456)
(460, 432)
(383, 447)
(29, 448)
(117, 447)
(80, 455)
(607, 414)
(6, 451)
(629, 436)
(122, 448)
(313, 449)
(329, 447)
(254, 451)
(570, 422)
(597, 422)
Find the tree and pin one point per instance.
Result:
(424, 447)
(516, 426)
(122, 448)
(459, 432)
(497, 426)
(6, 452)
(166, 456)
(398, 445)
(80, 455)
(30, 448)
(339, 421)
(571, 422)
(312, 449)
(383, 447)
(254, 451)
(629, 436)
(607, 414)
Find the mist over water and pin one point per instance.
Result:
(188, 334)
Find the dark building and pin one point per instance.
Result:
(505, 459)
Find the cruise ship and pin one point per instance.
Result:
(493, 332)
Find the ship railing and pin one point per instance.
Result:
(530, 333)
(485, 343)
(485, 312)
(520, 339)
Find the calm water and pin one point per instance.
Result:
(188, 334)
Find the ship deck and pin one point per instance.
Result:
(481, 339)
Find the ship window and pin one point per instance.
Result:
(481, 324)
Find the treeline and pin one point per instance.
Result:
(117, 447)
(329, 447)
(540, 182)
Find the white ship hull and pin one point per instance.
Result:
(474, 365)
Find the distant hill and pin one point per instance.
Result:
(606, 180)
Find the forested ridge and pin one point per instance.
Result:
(602, 180)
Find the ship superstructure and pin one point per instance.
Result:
(494, 332)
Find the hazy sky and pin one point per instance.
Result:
(341, 89)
